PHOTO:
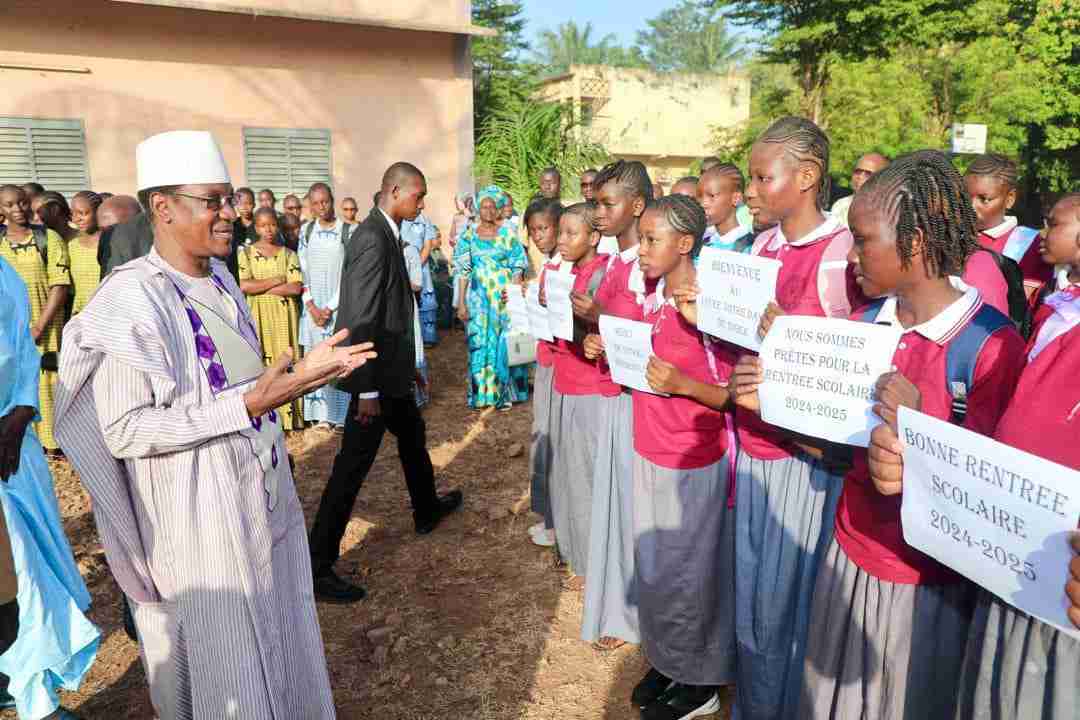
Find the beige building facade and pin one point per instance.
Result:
(664, 120)
(294, 90)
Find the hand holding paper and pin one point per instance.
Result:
(893, 390)
(594, 346)
(772, 311)
(663, 377)
(886, 461)
(686, 298)
(745, 379)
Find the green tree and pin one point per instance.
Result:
(689, 38)
(497, 73)
(570, 45)
(526, 136)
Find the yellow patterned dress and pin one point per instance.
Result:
(85, 272)
(276, 318)
(39, 277)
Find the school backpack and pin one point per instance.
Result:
(1019, 309)
(311, 227)
(962, 354)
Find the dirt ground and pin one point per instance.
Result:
(479, 626)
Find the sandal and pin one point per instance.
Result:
(607, 644)
(575, 583)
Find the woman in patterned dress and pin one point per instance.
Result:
(83, 249)
(270, 278)
(488, 259)
(40, 256)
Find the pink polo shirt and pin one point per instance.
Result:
(574, 373)
(815, 279)
(982, 273)
(868, 523)
(1043, 417)
(1036, 272)
(617, 297)
(677, 432)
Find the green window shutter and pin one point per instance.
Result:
(286, 160)
(51, 152)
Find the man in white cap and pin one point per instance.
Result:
(168, 414)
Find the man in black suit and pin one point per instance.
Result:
(377, 305)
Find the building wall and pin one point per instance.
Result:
(667, 118)
(446, 12)
(385, 95)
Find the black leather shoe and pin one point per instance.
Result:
(651, 687)
(445, 505)
(330, 588)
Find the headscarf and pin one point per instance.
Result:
(495, 193)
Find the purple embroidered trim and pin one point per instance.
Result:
(273, 456)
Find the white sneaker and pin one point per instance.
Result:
(544, 538)
(538, 527)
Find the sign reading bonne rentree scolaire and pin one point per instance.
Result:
(995, 514)
(557, 287)
(628, 347)
(820, 375)
(735, 289)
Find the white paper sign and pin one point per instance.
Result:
(518, 311)
(557, 287)
(628, 347)
(999, 516)
(820, 375)
(539, 325)
(735, 289)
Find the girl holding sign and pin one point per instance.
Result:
(889, 624)
(684, 536)
(787, 485)
(542, 222)
(1015, 664)
(577, 383)
(623, 189)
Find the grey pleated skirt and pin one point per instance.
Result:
(1018, 668)
(571, 478)
(684, 567)
(610, 608)
(546, 402)
(880, 650)
(784, 515)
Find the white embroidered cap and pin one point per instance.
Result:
(180, 157)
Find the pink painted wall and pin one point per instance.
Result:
(447, 12)
(385, 95)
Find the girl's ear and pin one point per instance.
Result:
(639, 206)
(594, 238)
(918, 239)
(736, 198)
(686, 244)
(1010, 200)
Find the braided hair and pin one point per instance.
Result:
(50, 197)
(264, 211)
(551, 207)
(923, 191)
(586, 211)
(630, 175)
(91, 197)
(245, 191)
(996, 166)
(727, 170)
(685, 216)
(803, 141)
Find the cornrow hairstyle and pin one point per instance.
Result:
(688, 179)
(707, 163)
(268, 190)
(544, 206)
(997, 166)
(685, 215)
(727, 170)
(590, 171)
(91, 197)
(17, 189)
(245, 191)
(51, 196)
(319, 186)
(803, 141)
(631, 175)
(923, 191)
(586, 211)
(264, 211)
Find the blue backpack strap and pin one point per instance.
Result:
(1019, 242)
(963, 354)
(869, 312)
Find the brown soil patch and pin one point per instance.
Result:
(480, 627)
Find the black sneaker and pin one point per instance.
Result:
(649, 690)
(682, 702)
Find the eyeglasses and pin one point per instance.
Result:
(214, 203)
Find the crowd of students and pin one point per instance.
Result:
(740, 554)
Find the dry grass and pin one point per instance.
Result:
(481, 628)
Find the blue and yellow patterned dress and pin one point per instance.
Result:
(491, 265)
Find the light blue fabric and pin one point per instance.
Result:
(321, 258)
(494, 192)
(416, 233)
(57, 644)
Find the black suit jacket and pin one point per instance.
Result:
(376, 305)
(134, 239)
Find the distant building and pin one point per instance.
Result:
(664, 120)
(296, 91)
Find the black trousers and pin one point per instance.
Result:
(359, 446)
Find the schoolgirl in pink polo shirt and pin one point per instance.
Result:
(1017, 666)
(684, 544)
(889, 624)
(1058, 250)
(786, 485)
(622, 189)
(542, 223)
(577, 383)
(991, 181)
